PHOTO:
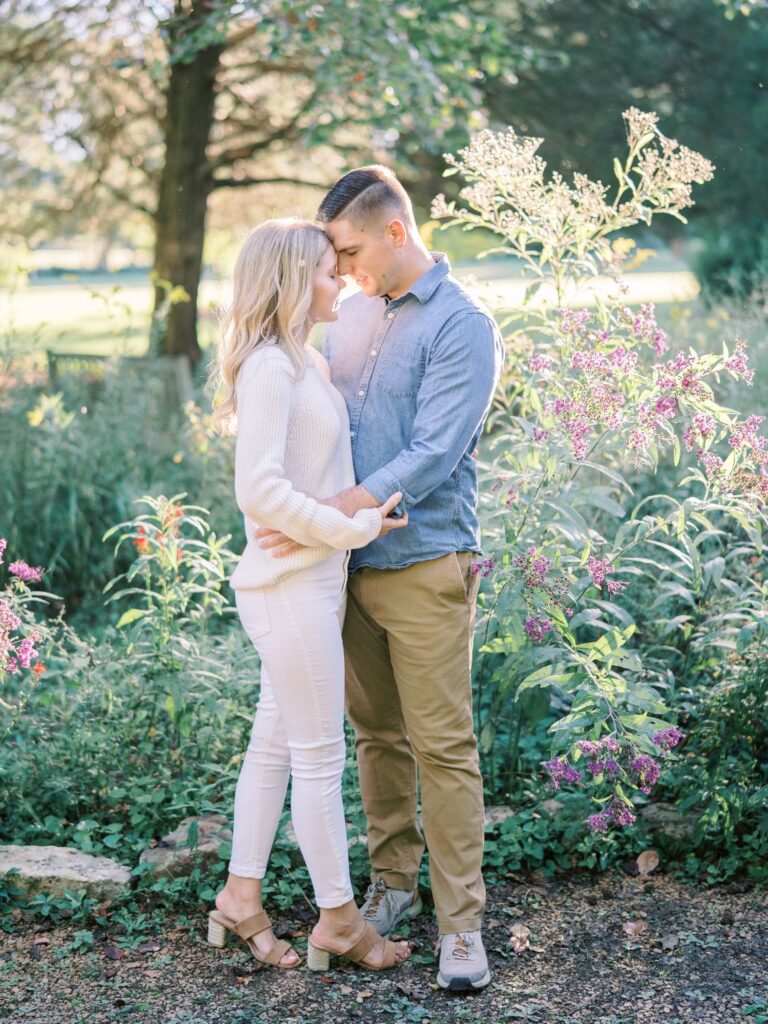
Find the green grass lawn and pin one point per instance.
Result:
(89, 318)
(96, 316)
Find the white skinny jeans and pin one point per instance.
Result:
(295, 625)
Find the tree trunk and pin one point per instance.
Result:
(184, 187)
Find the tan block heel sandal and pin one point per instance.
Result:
(319, 959)
(219, 924)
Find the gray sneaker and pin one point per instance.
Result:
(463, 963)
(385, 908)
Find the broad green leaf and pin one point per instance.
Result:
(131, 616)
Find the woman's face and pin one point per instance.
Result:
(326, 289)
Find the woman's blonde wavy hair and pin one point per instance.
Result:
(272, 293)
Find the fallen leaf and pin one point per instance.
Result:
(365, 994)
(154, 974)
(346, 990)
(41, 940)
(647, 862)
(538, 890)
(113, 953)
(34, 951)
(634, 927)
(669, 941)
(149, 947)
(410, 991)
(519, 937)
(131, 965)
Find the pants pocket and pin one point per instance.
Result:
(254, 613)
(462, 561)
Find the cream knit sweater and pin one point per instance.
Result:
(292, 447)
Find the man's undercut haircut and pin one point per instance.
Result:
(366, 195)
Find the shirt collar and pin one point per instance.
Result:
(424, 287)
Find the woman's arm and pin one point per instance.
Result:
(265, 393)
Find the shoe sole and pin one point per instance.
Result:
(464, 984)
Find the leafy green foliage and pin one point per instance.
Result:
(587, 402)
(75, 461)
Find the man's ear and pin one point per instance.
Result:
(397, 232)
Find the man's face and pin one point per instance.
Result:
(368, 254)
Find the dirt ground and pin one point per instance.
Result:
(616, 950)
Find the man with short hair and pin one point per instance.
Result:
(417, 360)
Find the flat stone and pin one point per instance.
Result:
(669, 821)
(53, 869)
(497, 813)
(172, 854)
(551, 807)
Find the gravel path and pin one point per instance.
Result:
(616, 950)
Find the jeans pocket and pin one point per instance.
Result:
(254, 613)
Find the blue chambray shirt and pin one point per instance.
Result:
(418, 375)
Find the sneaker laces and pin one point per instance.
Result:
(462, 947)
(378, 891)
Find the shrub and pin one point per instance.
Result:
(589, 395)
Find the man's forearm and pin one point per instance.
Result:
(351, 500)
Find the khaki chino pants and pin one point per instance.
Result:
(408, 651)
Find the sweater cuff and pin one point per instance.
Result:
(370, 521)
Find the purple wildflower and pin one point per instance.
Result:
(712, 463)
(588, 747)
(539, 364)
(666, 406)
(599, 822)
(8, 618)
(598, 569)
(26, 651)
(559, 770)
(647, 772)
(536, 628)
(737, 363)
(621, 814)
(3, 546)
(668, 738)
(484, 568)
(745, 435)
(702, 425)
(25, 572)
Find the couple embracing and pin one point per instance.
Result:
(354, 471)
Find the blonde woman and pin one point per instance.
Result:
(292, 449)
